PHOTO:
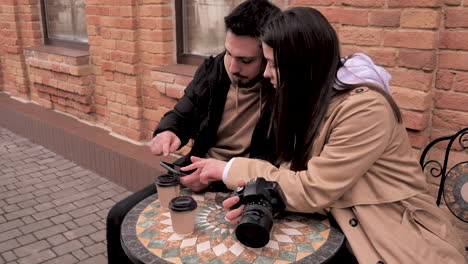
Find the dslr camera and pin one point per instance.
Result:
(263, 200)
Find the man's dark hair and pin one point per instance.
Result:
(249, 18)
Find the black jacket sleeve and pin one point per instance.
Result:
(184, 120)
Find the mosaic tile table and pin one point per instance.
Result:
(147, 236)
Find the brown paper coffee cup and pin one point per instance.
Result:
(183, 209)
(168, 187)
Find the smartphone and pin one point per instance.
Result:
(173, 168)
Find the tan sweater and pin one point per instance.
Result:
(241, 113)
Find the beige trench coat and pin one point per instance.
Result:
(363, 171)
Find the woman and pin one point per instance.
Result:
(343, 149)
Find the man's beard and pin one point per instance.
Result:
(248, 84)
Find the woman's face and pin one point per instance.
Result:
(270, 70)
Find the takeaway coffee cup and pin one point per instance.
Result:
(168, 188)
(183, 211)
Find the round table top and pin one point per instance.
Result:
(148, 237)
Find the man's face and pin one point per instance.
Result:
(243, 60)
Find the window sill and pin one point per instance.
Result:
(60, 50)
(178, 69)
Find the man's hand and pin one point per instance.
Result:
(164, 143)
(192, 181)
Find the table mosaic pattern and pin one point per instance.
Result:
(456, 190)
(147, 233)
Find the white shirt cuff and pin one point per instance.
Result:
(226, 169)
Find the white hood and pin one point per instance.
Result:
(359, 68)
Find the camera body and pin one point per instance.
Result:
(263, 200)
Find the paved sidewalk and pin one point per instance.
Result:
(51, 210)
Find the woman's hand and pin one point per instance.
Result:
(209, 170)
(234, 215)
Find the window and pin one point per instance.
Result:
(200, 27)
(64, 20)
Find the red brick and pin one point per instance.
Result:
(453, 60)
(444, 80)
(451, 100)
(330, 14)
(410, 39)
(364, 3)
(384, 18)
(453, 2)
(414, 3)
(125, 23)
(315, 2)
(418, 139)
(161, 59)
(411, 99)
(155, 1)
(360, 36)
(116, 34)
(126, 46)
(411, 79)
(456, 17)
(354, 17)
(417, 59)
(456, 39)
(461, 82)
(132, 111)
(163, 76)
(420, 18)
(174, 90)
(415, 120)
(126, 68)
(155, 11)
(451, 120)
(156, 35)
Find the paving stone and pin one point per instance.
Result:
(31, 248)
(86, 241)
(9, 256)
(87, 219)
(61, 218)
(39, 257)
(28, 203)
(81, 231)
(28, 219)
(11, 208)
(95, 249)
(46, 214)
(99, 259)
(67, 247)
(50, 231)
(10, 225)
(68, 259)
(26, 239)
(57, 239)
(40, 225)
(4, 236)
(51, 210)
(99, 236)
(9, 245)
(80, 254)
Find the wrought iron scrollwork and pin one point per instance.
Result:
(439, 169)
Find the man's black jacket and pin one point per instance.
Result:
(198, 113)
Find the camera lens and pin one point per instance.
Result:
(255, 225)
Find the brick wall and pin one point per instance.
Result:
(124, 83)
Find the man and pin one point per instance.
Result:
(223, 109)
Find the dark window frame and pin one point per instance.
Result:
(182, 57)
(57, 42)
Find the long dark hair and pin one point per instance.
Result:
(307, 56)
